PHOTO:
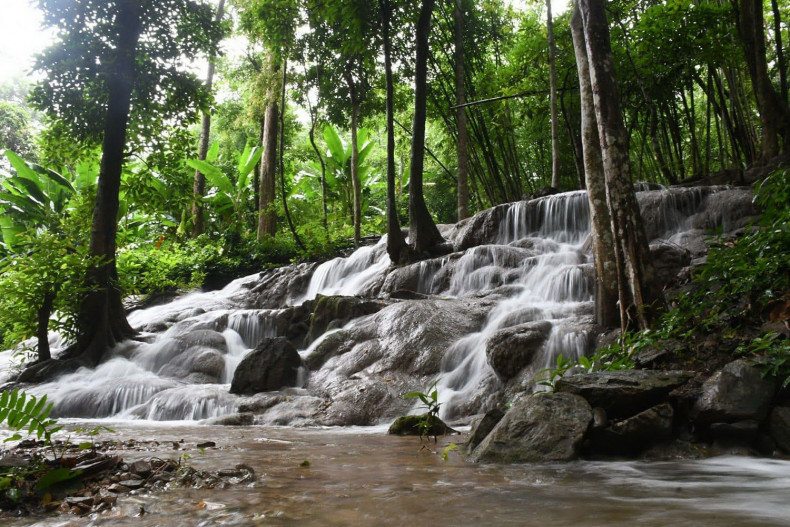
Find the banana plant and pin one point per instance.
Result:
(338, 162)
(230, 198)
(34, 198)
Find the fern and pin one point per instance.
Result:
(18, 411)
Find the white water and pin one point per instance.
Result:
(194, 344)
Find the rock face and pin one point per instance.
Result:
(668, 260)
(737, 392)
(780, 427)
(624, 393)
(414, 425)
(483, 427)
(634, 434)
(538, 428)
(333, 312)
(274, 364)
(511, 349)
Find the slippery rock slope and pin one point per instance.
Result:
(483, 320)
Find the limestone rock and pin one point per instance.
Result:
(483, 427)
(668, 260)
(411, 425)
(332, 312)
(779, 426)
(538, 428)
(626, 392)
(511, 349)
(633, 434)
(272, 365)
(736, 392)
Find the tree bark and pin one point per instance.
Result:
(355, 183)
(199, 185)
(606, 283)
(267, 216)
(640, 297)
(284, 194)
(774, 114)
(781, 64)
(101, 320)
(42, 330)
(396, 243)
(462, 147)
(423, 234)
(555, 128)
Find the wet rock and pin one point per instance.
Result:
(668, 259)
(332, 312)
(511, 349)
(779, 426)
(239, 419)
(538, 428)
(626, 392)
(413, 425)
(271, 366)
(204, 338)
(633, 434)
(279, 286)
(483, 427)
(141, 468)
(206, 444)
(132, 484)
(740, 430)
(481, 228)
(364, 402)
(736, 392)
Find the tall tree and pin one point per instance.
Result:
(606, 290)
(424, 236)
(396, 243)
(774, 113)
(199, 187)
(114, 60)
(640, 298)
(462, 145)
(555, 126)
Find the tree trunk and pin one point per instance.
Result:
(199, 186)
(355, 183)
(42, 330)
(267, 216)
(462, 147)
(774, 115)
(282, 160)
(396, 244)
(555, 128)
(423, 234)
(780, 54)
(102, 322)
(641, 300)
(606, 289)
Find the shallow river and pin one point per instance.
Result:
(361, 476)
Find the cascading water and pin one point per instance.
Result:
(527, 276)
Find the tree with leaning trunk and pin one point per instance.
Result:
(639, 296)
(112, 79)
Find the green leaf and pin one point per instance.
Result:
(55, 476)
(213, 153)
(213, 174)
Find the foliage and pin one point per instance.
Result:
(430, 399)
(18, 410)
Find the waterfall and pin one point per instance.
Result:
(527, 275)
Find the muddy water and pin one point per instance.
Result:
(360, 476)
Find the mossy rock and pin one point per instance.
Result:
(410, 425)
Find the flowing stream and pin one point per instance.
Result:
(360, 476)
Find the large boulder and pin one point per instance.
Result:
(538, 428)
(634, 434)
(482, 427)
(626, 392)
(274, 364)
(481, 228)
(668, 260)
(737, 392)
(511, 349)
